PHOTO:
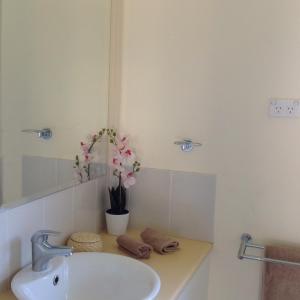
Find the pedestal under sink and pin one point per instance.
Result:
(92, 276)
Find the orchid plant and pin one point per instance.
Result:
(125, 166)
(123, 161)
(83, 167)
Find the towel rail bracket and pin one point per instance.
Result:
(246, 242)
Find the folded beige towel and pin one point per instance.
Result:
(135, 248)
(281, 282)
(161, 243)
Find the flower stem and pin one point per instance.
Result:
(120, 194)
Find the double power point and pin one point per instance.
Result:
(282, 108)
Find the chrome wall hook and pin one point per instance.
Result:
(45, 133)
(187, 145)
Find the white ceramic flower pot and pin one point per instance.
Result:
(116, 224)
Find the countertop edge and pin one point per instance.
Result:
(193, 271)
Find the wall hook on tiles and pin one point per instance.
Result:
(187, 145)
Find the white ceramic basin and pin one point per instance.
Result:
(91, 276)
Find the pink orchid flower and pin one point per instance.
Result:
(88, 158)
(128, 156)
(122, 143)
(127, 153)
(117, 163)
(85, 148)
(117, 159)
(128, 179)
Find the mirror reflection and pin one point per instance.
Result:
(54, 92)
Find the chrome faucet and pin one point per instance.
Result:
(42, 251)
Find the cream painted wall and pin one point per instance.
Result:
(55, 57)
(54, 73)
(205, 69)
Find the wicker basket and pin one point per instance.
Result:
(85, 242)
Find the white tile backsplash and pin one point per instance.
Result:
(57, 212)
(22, 223)
(148, 199)
(87, 207)
(1, 181)
(4, 253)
(39, 174)
(102, 193)
(177, 202)
(59, 216)
(65, 172)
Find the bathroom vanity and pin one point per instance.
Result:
(178, 270)
(183, 274)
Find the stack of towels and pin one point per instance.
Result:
(152, 239)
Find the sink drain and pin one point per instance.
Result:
(55, 280)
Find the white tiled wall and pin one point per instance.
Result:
(4, 251)
(47, 173)
(178, 202)
(43, 174)
(1, 190)
(148, 200)
(77, 208)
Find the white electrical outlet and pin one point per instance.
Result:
(284, 108)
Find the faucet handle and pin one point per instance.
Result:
(42, 235)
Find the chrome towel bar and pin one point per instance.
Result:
(246, 242)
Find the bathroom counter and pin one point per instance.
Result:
(7, 296)
(175, 269)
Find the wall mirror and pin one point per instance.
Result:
(54, 75)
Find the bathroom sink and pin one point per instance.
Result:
(92, 276)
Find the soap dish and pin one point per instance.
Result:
(85, 242)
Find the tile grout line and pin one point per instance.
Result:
(44, 212)
(73, 207)
(98, 201)
(95, 198)
(170, 199)
(57, 172)
(6, 241)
